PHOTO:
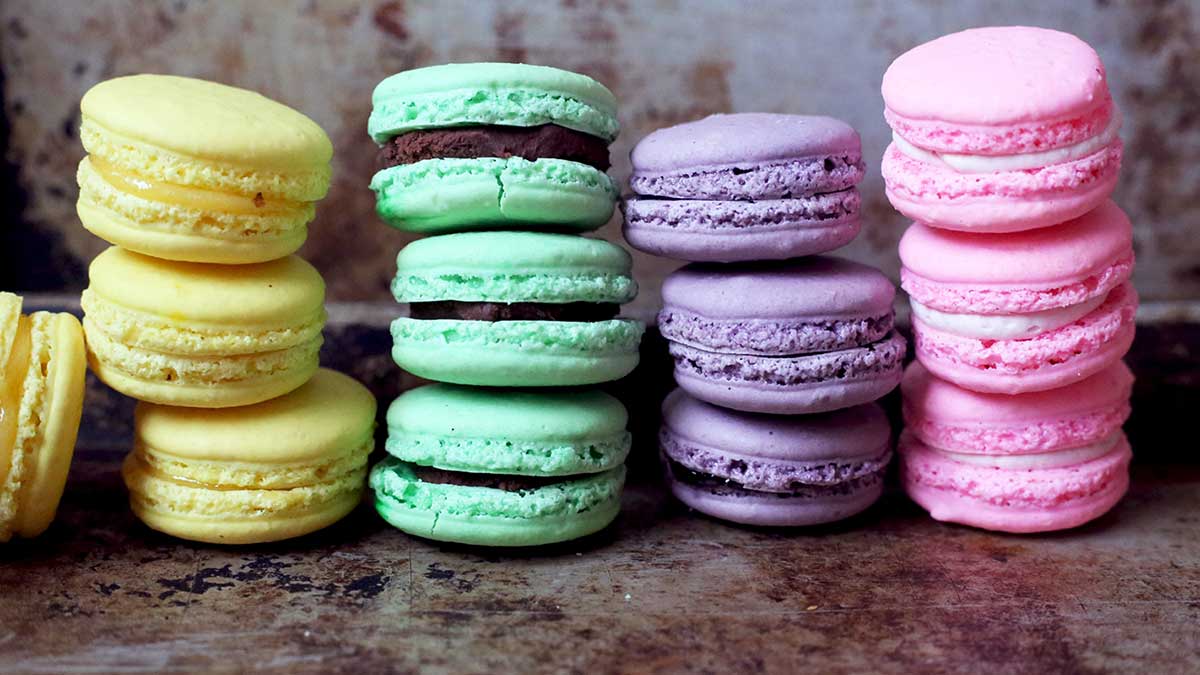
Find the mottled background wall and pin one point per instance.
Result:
(666, 60)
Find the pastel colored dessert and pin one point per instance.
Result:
(1034, 462)
(515, 309)
(1000, 129)
(1023, 311)
(185, 169)
(774, 469)
(42, 368)
(799, 336)
(208, 336)
(502, 467)
(469, 146)
(258, 473)
(750, 186)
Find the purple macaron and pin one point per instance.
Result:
(774, 469)
(750, 186)
(789, 337)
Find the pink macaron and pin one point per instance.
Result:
(1033, 462)
(1000, 129)
(1023, 311)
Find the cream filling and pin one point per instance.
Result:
(1027, 160)
(1004, 326)
(1041, 460)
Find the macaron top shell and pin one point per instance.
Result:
(281, 292)
(208, 121)
(859, 433)
(997, 76)
(939, 401)
(511, 94)
(1064, 254)
(329, 416)
(816, 286)
(742, 138)
(513, 267)
(507, 415)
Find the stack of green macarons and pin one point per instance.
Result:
(511, 311)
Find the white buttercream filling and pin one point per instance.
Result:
(1040, 460)
(1003, 326)
(1026, 160)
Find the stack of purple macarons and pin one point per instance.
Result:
(779, 352)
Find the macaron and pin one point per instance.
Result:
(208, 336)
(1033, 462)
(469, 146)
(1000, 129)
(502, 467)
(1023, 311)
(42, 368)
(524, 309)
(774, 469)
(186, 169)
(789, 337)
(750, 186)
(257, 473)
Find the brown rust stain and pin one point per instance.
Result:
(509, 28)
(390, 18)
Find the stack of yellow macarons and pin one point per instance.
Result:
(41, 399)
(206, 191)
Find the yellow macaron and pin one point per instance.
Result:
(186, 169)
(207, 336)
(42, 369)
(259, 473)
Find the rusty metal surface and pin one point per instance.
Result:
(667, 61)
(665, 590)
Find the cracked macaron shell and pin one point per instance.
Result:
(513, 267)
(514, 432)
(484, 516)
(451, 195)
(511, 94)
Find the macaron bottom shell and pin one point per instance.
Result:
(224, 515)
(480, 516)
(452, 195)
(517, 353)
(1013, 500)
(808, 383)
(750, 507)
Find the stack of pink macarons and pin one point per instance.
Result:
(1005, 150)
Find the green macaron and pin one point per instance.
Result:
(502, 467)
(516, 309)
(471, 146)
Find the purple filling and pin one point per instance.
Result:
(726, 488)
(771, 338)
(778, 180)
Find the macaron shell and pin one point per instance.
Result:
(512, 432)
(1013, 501)
(510, 94)
(772, 510)
(492, 517)
(438, 196)
(1002, 76)
(1050, 360)
(1005, 201)
(733, 231)
(63, 409)
(517, 353)
(791, 385)
(953, 418)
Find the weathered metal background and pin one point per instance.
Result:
(667, 61)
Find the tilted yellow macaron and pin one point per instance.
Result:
(208, 336)
(265, 472)
(186, 169)
(42, 369)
